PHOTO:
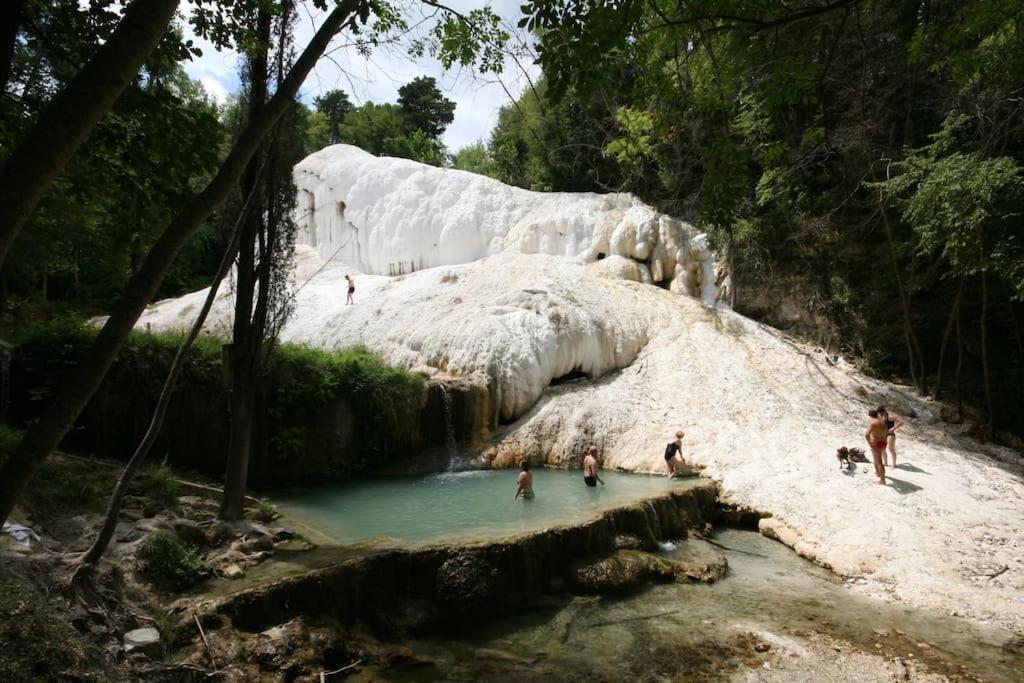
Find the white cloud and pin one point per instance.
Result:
(377, 77)
(214, 89)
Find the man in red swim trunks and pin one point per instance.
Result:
(877, 435)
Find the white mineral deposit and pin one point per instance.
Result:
(460, 275)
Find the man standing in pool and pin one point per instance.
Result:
(525, 481)
(674, 457)
(590, 468)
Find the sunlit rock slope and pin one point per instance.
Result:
(763, 414)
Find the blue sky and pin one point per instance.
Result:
(377, 78)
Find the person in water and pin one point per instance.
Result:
(877, 434)
(590, 468)
(892, 423)
(525, 481)
(351, 290)
(674, 457)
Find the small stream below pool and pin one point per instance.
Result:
(464, 506)
(690, 631)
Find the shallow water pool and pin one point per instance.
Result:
(464, 505)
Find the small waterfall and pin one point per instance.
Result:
(653, 520)
(454, 461)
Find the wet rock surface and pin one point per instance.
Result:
(630, 570)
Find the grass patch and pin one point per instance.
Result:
(69, 486)
(160, 483)
(170, 562)
(265, 512)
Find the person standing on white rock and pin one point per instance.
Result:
(351, 290)
(876, 435)
(674, 457)
(892, 423)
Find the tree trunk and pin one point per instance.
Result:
(959, 367)
(246, 334)
(78, 388)
(917, 369)
(984, 349)
(954, 312)
(11, 14)
(99, 546)
(69, 119)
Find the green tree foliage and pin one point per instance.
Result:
(381, 129)
(424, 108)
(334, 105)
(475, 158)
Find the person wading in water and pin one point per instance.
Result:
(525, 481)
(590, 468)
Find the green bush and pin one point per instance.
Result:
(68, 486)
(170, 562)
(265, 511)
(9, 440)
(159, 482)
(306, 394)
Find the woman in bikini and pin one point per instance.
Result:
(892, 423)
(876, 434)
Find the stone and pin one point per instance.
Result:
(232, 571)
(145, 640)
(628, 542)
(762, 647)
(699, 561)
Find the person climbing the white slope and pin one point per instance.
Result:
(674, 457)
(351, 290)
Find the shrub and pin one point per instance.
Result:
(265, 511)
(158, 482)
(68, 486)
(170, 562)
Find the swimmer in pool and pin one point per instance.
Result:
(590, 468)
(525, 488)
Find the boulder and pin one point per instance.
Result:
(146, 640)
(697, 561)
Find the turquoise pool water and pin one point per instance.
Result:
(463, 505)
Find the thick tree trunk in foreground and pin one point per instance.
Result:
(69, 119)
(76, 390)
(12, 12)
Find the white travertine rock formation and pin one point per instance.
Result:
(386, 216)
(763, 414)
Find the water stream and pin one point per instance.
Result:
(697, 631)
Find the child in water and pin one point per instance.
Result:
(525, 481)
